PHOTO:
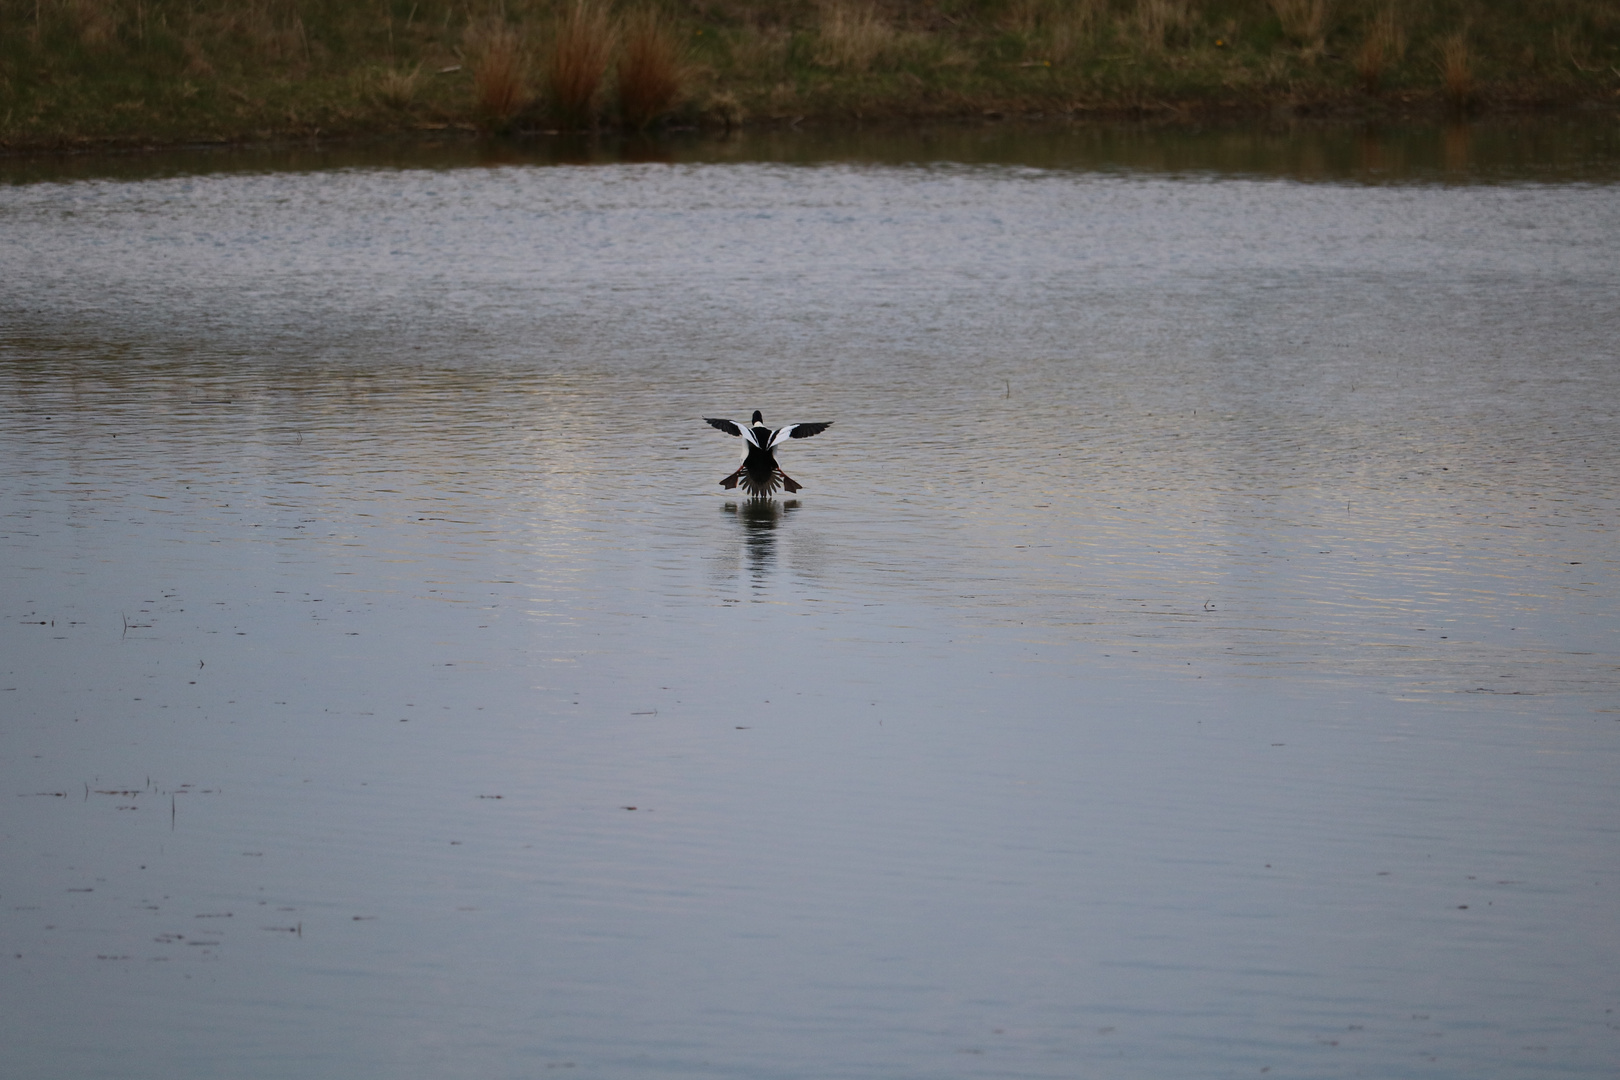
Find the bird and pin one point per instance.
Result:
(759, 474)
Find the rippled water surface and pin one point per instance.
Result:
(1193, 653)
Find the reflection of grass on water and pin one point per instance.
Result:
(172, 70)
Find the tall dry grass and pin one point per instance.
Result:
(1055, 30)
(651, 77)
(1161, 22)
(396, 88)
(1304, 22)
(853, 36)
(580, 52)
(499, 70)
(1382, 47)
(724, 108)
(174, 70)
(250, 30)
(761, 49)
(1570, 43)
(96, 23)
(1456, 70)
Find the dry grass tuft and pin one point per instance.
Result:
(579, 59)
(1071, 31)
(397, 89)
(852, 37)
(1574, 45)
(1382, 48)
(1161, 22)
(761, 49)
(1056, 30)
(495, 52)
(1456, 70)
(96, 23)
(1304, 22)
(650, 69)
(197, 63)
(725, 110)
(236, 32)
(1024, 16)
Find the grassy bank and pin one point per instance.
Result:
(79, 72)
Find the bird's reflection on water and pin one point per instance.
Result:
(759, 519)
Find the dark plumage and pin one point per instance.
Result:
(759, 474)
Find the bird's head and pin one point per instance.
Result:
(759, 418)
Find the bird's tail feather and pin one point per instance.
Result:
(761, 486)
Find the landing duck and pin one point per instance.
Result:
(759, 474)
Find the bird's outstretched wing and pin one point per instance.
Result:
(797, 431)
(731, 427)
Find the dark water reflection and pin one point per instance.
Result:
(1562, 149)
(759, 519)
(1194, 651)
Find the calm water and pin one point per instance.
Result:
(1194, 652)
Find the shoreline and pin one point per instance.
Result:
(1558, 147)
(1160, 115)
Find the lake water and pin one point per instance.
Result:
(1194, 651)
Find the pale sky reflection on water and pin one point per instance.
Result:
(1193, 652)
